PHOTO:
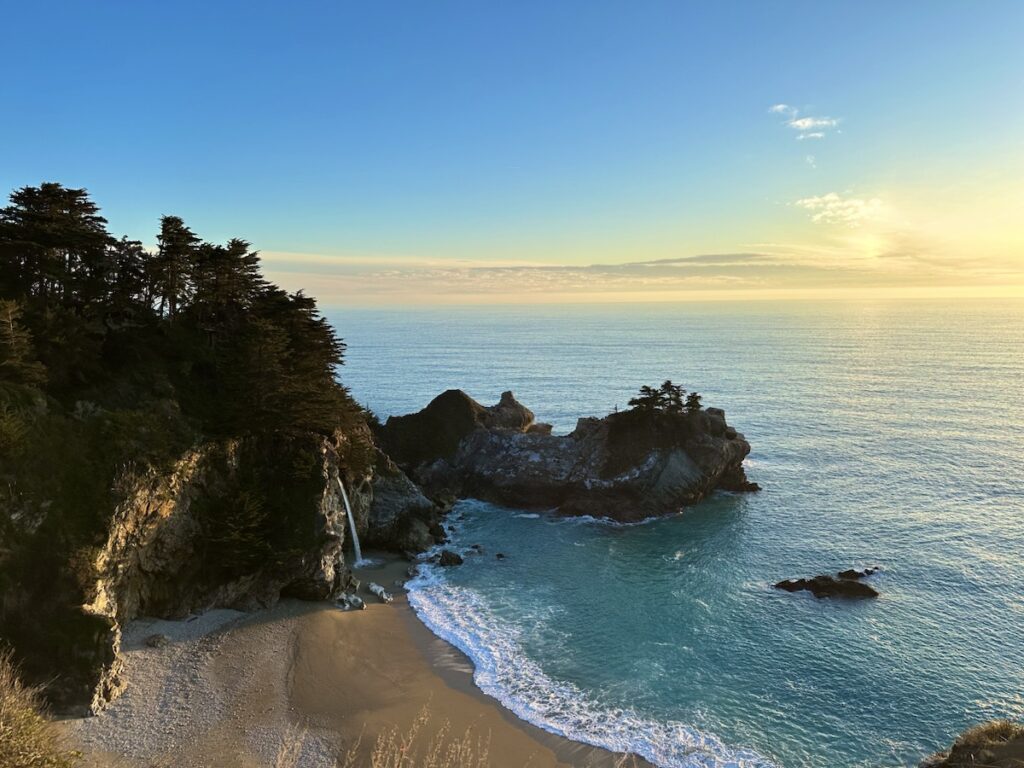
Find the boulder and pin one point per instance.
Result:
(449, 558)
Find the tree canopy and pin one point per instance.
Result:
(668, 398)
(86, 316)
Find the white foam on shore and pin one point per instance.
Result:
(503, 671)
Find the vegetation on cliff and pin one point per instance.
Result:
(27, 738)
(997, 744)
(114, 360)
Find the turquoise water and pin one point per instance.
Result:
(883, 434)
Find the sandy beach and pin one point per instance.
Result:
(235, 689)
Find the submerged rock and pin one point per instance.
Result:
(843, 584)
(626, 466)
(449, 558)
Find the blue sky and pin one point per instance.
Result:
(368, 149)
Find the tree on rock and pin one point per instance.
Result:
(649, 399)
(693, 403)
(672, 397)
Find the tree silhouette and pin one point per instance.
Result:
(52, 245)
(648, 399)
(693, 402)
(170, 270)
(672, 397)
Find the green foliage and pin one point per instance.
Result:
(693, 403)
(668, 398)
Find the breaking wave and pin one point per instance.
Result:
(503, 671)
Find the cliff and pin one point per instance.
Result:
(234, 523)
(625, 466)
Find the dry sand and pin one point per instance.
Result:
(231, 688)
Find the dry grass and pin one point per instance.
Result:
(290, 751)
(991, 734)
(27, 738)
(422, 746)
(998, 744)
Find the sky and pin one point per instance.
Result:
(478, 152)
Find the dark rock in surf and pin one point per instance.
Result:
(851, 573)
(843, 584)
(449, 559)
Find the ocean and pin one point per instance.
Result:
(883, 433)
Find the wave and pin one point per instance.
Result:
(460, 616)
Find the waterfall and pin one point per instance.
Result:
(351, 523)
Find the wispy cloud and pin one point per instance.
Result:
(833, 208)
(806, 126)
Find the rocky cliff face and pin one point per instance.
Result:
(235, 523)
(626, 466)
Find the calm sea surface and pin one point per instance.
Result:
(883, 434)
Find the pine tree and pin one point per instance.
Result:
(648, 399)
(126, 280)
(693, 402)
(672, 397)
(52, 245)
(170, 270)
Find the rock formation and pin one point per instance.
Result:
(844, 584)
(626, 466)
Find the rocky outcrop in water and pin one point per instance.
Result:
(844, 584)
(626, 466)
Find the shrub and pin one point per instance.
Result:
(27, 738)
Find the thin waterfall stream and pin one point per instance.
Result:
(351, 523)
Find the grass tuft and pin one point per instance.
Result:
(27, 738)
(422, 745)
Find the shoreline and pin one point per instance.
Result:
(235, 689)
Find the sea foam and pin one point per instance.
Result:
(502, 670)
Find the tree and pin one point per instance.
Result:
(226, 281)
(693, 402)
(52, 245)
(648, 399)
(672, 397)
(18, 364)
(127, 289)
(170, 270)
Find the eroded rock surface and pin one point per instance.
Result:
(625, 466)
